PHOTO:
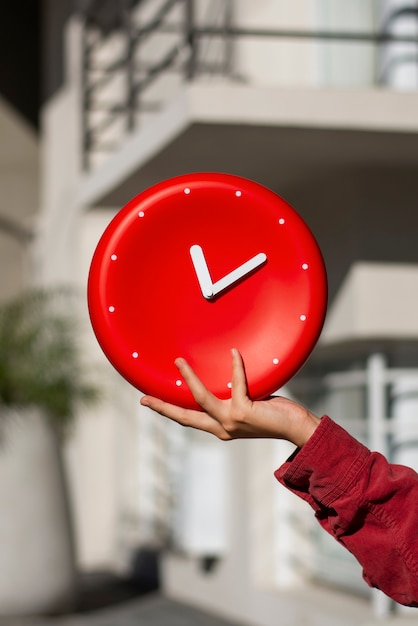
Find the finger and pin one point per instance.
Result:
(210, 403)
(185, 417)
(239, 379)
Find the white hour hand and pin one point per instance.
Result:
(210, 289)
(202, 272)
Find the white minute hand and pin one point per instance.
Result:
(209, 289)
(239, 272)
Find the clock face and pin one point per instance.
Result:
(197, 265)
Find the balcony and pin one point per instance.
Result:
(175, 80)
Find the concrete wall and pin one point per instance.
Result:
(376, 300)
(19, 203)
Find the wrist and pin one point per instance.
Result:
(307, 424)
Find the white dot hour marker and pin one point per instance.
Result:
(114, 257)
(187, 191)
(141, 214)
(179, 383)
(305, 266)
(112, 309)
(275, 361)
(135, 355)
(281, 220)
(302, 318)
(238, 194)
(229, 385)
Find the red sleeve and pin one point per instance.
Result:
(367, 504)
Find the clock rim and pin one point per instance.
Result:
(125, 214)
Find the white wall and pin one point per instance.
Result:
(113, 462)
(102, 452)
(58, 228)
(376, 300)
(268, 61)
(19, 203)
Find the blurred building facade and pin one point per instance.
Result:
(316, 99)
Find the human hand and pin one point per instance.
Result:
(238, 417)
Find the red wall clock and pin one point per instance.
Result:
(197, 265)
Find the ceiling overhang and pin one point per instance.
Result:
(280, 137)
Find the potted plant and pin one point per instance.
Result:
(41, 384)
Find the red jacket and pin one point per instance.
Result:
(367, 504)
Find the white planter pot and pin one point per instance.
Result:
(37, 573)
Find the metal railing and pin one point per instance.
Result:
(186, 56)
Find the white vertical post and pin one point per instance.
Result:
(405, 420)
(376, 374)
(376, 400)
(405, 431)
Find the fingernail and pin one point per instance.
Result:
(179, 362)
(234, 351)
(144, 401)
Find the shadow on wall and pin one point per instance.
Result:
(103, 589)
(361, 215)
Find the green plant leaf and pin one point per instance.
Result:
(40, 360)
